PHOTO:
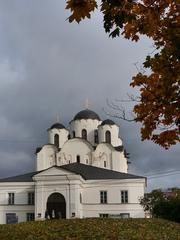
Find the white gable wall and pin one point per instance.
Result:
(60, 181)
(102, 156)
(72, 149)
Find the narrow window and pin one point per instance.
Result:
(56, 140)
(96, 140)
(108, 137)
(124, 196)
(69, 136)
(73, 134)
(30, 198)
(11, 198)
(29, 217)
(78, 159)
(103, 196)
(105, 164)
(80, 198)
(84, 134)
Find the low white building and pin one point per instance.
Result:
(81, 172)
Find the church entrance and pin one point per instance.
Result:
(56, 206)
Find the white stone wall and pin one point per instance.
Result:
(72, 148)
(20, 207)
(105, 156)
(66, 183)
(63, 135)
(119, 162)
(91, 198)
(114, 130)
(89, 124)
(46, 157)
(102, 156)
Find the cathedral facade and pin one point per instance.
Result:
(81, 172)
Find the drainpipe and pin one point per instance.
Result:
(69, 197)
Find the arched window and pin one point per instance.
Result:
(84, 134)
(108, 137)
(56, 140)
(96, 136)
(78, 159)
(73, 134)
(104, 163)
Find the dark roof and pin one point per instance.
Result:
(57, 125)
(86, 171)
(86, 114)
(90, 172)
(20, 178)
(107, 122)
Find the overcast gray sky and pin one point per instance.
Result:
(49, 66)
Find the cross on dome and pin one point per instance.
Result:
(57, 118)
(87, 104)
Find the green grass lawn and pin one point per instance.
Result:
(125, 229)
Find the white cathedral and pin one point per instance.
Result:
(81, 172)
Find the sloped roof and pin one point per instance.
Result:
(86, 171)
(90, 172)
(20, 178)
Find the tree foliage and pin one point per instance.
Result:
(168, 209)
(150, 199)
(159, 107)
(162, 205)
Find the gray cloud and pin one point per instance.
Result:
(48, 66)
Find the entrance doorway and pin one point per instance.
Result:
(56, 206)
